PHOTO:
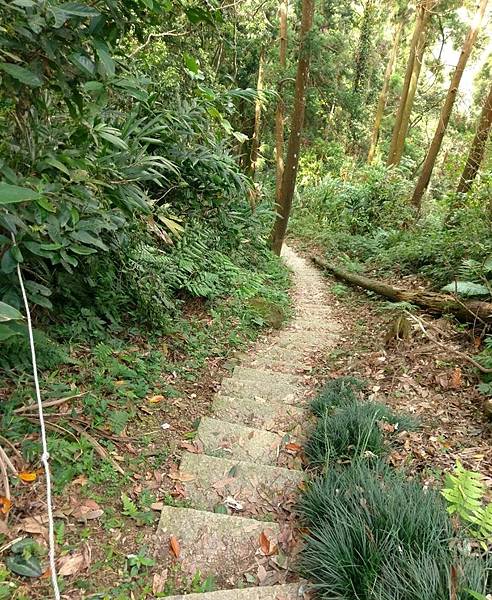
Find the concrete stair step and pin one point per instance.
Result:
(274, 390)
(247, 374)
(238, 442)
(246, 489)
(259, 413)
(217, 545)
(289, 591)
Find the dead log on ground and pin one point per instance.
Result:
(465, 310)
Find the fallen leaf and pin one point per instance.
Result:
(174, 545)
(72, 564)
(34, 525)
(456, 378)
(156, 399)
(180, 476)
(268, 547)
(159, 582)
(157, 505)
(293, 448)
(81, 480)
(28, 476)
(86, 510)
(5, 505)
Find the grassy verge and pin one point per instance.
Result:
(373, 533)
(132, 397)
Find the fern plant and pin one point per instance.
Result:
(464, 491)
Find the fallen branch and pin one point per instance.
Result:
(445, 347)
(7, 461)
(470, 311)
(48, 403)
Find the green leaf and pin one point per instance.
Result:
(87, 238)
(113, 139)
(27, 567)
(58, 165)
(466, 288)
(107, 64)
(191, 63)
(11, 194)
(21, 74)
(77, 9)
(6, 332)
(46, 204)
(83, 63)
(9, 313)
(83, 250)
(8, 263)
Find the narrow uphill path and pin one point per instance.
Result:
(241, 483)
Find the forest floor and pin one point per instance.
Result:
(105, 530)
(414, 376)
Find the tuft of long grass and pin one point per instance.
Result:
(376, 536)
(338, 392)
(353, 431)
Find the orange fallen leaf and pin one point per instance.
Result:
(28, 476)
(5, 505)
(156, 399)
(456, 378)
(175, 547)
(292, 447)
(268, 547)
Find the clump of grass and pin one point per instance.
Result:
(339, 392)
(353, 431)
(375, 536)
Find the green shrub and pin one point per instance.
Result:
(374, 535)
(338, 392)
(352, 431)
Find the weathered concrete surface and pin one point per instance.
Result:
(230, 440)
(259, 413)
(268, 390)
(248, 374)
(214, 544)
(292, 591)
(244, 488)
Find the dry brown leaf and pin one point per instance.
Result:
(181, 476)
(293, 448)
(157, 505)
(5, 505)
(88, 509)
(28, 476)
(156, 399)
(456, 378)
(174, 545)
(71, 564)
(268, 546)
(159, 582)
(34, 525)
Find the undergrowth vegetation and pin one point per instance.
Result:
(373, 533)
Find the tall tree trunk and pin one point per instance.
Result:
(477, 149)
(418, 33)
(255, 142)
(412, 89)
(445, 115)
(297, 122)
(279, 113)
(384, 93)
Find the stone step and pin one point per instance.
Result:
(246, 489)
(247, 373)
(221, 546)
(288, 591)
(276, 391)
(238, 442)
(259, 413)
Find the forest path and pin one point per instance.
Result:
(241, 479)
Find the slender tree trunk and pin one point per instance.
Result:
(418, 33)
(255, 142)
(407, 109)
(297, 122)
(279, 114)
(384, 93)
(477, 149)
(447, 108)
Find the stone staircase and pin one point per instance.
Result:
(243, 479)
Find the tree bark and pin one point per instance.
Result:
(430, 160)
(297, 122)
(255, 142)
(279, 113)
(407, 109)
(384, 93)
(423, 13)
(477, 149)
(469, 310)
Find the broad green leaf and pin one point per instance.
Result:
(78, 9)
(113, 139)
(240, 137)
(19, 565)
(58, 165)
(106, 65)
(8, 263)
(6, 332)
(87, 238)
(46, 204)
(9, 313)
(83, 63)
(83, 250)
(21, 74)
(191, 63)
(466, 288)
(10, 194)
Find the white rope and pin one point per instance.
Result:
(45, 455)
